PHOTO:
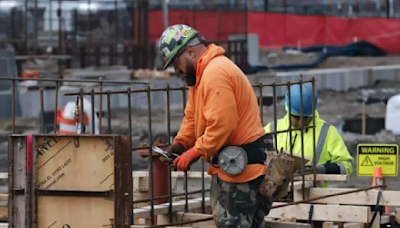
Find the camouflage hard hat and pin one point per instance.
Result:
(173, 40)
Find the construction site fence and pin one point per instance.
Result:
(148, 92)
(34, 26)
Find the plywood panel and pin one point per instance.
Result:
(77, 165)
(64, 166)
(88, 212)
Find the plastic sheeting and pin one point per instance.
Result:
(392, 120)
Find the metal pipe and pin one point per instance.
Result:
(303, 184)
(83, 130)
(56, 109)
(150, 156)
(93, 114)
(109, 111)
(313, 129)
(41, 111)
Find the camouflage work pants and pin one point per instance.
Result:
(238, 205)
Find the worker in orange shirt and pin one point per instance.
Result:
(221, 125)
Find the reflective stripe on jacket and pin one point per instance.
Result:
(68, 123)
(330, 147)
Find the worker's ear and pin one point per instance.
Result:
(191, 54)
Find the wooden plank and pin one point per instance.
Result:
(396, 214)
(184, 217)
(376, 223)
(20, 178)
(162, 209)
(328, 213)
(283, 224)
(388, 198)
(327, 225)
(324, 177)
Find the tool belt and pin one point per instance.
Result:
(234, 159)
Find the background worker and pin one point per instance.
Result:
(68, 122)
(332, 156)
(221, 111)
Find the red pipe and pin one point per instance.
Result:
(160, 177)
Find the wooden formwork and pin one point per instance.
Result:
(70, 181)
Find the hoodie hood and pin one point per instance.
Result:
(212, 52)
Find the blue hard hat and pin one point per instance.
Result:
(307, 99)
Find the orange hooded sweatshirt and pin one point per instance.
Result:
(222, 110)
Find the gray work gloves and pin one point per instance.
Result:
(310, 169)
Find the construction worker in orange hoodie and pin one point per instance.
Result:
(221, 122)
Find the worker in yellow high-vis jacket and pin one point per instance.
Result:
(331, 153)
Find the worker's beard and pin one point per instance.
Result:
(190, 74)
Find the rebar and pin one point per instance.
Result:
(150, 156)
(109, 111)
(303, 184)
(169, 167)
(261, 104)
(13, 106)
(290, 132)
(314, 146)
(130, 132)
(275, 117)
(186, 176)
(42, 130)
(168, 196)
(100, 105)
(93, 128)
(82, 111)
(71, 80)
(56, 109)
(164, 89)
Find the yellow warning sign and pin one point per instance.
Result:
(385, 156)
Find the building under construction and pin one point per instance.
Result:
(103, 57)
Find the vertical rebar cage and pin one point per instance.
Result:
(147, 91)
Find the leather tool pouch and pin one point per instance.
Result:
(277, 178)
